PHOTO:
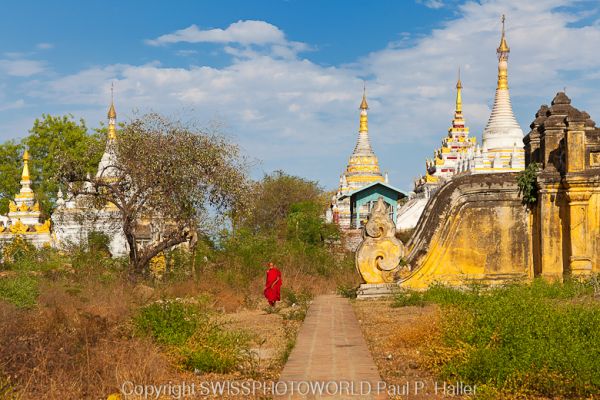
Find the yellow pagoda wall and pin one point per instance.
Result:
(476, 227)
(481, 234)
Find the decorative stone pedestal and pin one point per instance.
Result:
(376, 290)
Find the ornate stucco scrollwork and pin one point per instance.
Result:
(379, 254)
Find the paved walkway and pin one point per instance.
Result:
(331, 359)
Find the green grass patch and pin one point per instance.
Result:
(21, 290)
(536, 339)
(347, 291)
(405, 299)
(200, 341)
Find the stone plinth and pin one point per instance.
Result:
(376, 290)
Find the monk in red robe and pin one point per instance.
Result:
(273, 285)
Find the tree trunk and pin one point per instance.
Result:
(149, 253)
(133, 253)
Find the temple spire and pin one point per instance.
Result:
(106, 168)
(502, 52)
(502, 130)
(363, 167)
(458, 121)
(112, 116)
(26, 193)
(363, 145)
(364, 119)
(25, 173)
(459, 94)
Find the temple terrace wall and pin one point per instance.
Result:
(474, 229)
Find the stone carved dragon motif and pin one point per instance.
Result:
(379, 254)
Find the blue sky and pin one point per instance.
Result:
(284, 78)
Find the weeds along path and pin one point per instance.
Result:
(331, 358)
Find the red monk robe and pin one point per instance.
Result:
(273, 285)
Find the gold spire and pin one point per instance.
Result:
(25, 193)
(25, 174)
(458, 94)
(112, 116)
(364, 121)
(502, 52)
(111, 111)
(363, 104)
(503, 48)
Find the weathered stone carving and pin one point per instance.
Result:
(378, 256)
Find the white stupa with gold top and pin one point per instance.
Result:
(24, 217)
(75, 218)
(362, 170)
(502, 148)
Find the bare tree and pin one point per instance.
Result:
(163, 174)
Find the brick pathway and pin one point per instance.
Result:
(330, 355)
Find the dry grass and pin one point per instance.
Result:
(400, 340)
(75, 344)
(78, 342)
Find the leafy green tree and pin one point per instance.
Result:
(171, 177)
(271, 199)
(11, 165)
(59, 136)
(305, 223)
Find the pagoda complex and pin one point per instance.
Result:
(362, 182)
(450, 158)
(501, 150)
(75, 217)
(476, 229)
(363, 166)
(502, 145)
(24, 218)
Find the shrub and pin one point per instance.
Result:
(347, 291)
(404, 299)
(170, 322)
(98, 242)
(17, 250)
(212, 349)
(295, 314)
(7, 391)
(541, 338)
(290, 297)
(527, 182)
(21, 290)
(197, 338)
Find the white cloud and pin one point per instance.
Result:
(243, 32)
(302, 117)
(21, 67)
(19, 103)
(44, 46)
(186, 53)
(435, 4)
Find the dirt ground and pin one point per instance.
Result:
(271, 333)
(398, 339)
